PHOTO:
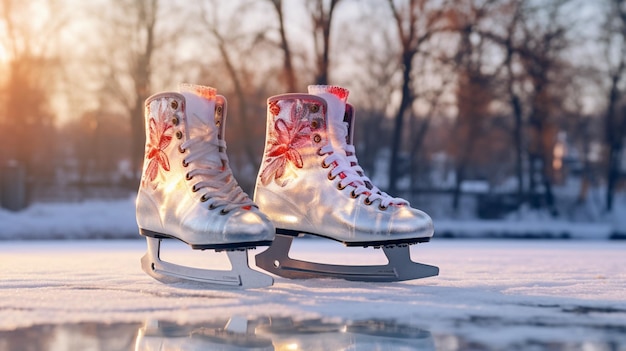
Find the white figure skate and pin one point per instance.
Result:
(310, 183)
(188, 191)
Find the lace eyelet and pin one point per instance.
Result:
(181, 150)
(330, 177)
(341, 187)
(175, 121)
(203, 198)
(324, 165)
(188, 176)
(222, 212)
(194, 189)
(367, 201)
(174, 104)
(317, 138)
(185, 163)
(353, 194)
(319, 152)
(382, 208)
(212, 207)
(314, 108)
(179, 134)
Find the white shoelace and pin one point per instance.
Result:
(350, 177)
(354, 163)
(348, 165)
(221, 187)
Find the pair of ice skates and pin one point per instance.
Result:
(309, 182)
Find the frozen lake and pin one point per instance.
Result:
(490, 295)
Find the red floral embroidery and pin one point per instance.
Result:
(284, 141)
(274, 108)
(160, 138)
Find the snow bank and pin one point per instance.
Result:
(80, 220)
(544, 229)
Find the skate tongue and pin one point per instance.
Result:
(336, 98)
(208, 93)
(200, 101)
(200, 111)
(339, 92)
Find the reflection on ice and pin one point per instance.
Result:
(273, 333)
(282, 334)
(216, 335)
(70, 337)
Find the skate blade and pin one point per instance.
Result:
(276, 260)
(240, 276)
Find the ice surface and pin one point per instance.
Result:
(507, 294)
(498, 293)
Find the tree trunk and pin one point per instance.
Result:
(613, 137)
(290, 76)
(251, 154)
(322, 21)
(405, 104)
(519, 147)
(142, 71)
(456, 194)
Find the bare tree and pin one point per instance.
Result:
(473, 98)
(534, 42)
(322, 18)
(415, 23)
(242, 61)
(432, 98)
(288, 68)
(26, 117)
(615, 119)
(135, 43)
(232, 46)
(512, 89)
(140, 70)
(541, 60)
(372, 91)
(213, 25)
(474, 94)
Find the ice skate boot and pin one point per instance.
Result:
(310, 183)
(188, 192)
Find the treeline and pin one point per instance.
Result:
(522, 92)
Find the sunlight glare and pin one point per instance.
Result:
(4, 55)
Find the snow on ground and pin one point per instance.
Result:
(490, 295)
(72, 220)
